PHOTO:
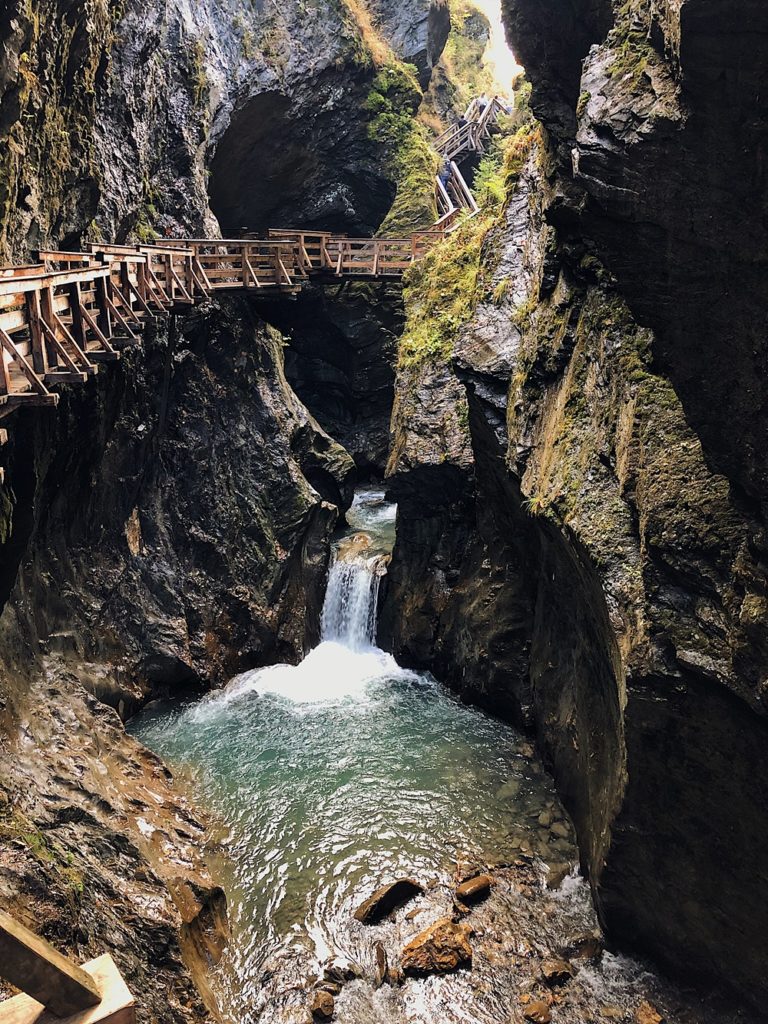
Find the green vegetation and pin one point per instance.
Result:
(15, 827)
(463, 55)
(198, 76)
(630, 41)
(392, 105)
(442, 289)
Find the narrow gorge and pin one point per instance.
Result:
(383, 587)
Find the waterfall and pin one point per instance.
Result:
(351, 598)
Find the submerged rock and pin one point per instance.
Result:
(381, 965)
(442, 948)
(556, 971)
(322, 1005)
(647, 1014)
(387, 899)
(474, 889)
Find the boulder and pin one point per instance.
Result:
(538, 1012)
(440, 949)
(322, 1005)
(386, 899)
(556, 971)
(474, 889)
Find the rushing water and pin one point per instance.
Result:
(342, 773)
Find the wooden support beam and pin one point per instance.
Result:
(116, 1006)
(36, 335)
(34, 966)
(23, 364)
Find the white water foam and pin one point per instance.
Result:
(347, 661)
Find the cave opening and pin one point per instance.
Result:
(277, 164)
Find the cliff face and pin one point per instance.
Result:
(119, 120)
(612, 369)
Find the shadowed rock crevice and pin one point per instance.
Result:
(341, 348)
(278, 163)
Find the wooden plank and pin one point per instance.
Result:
(39, 355)
(116, 1007)
(34, 966)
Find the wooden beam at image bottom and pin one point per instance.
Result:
(116, 1006)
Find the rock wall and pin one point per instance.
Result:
(600, 571)
(117, 120)
(168, 526)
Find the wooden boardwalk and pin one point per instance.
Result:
(64, 316)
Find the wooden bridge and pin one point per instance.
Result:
(64, 316)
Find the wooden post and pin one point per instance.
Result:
(104, 318)
(39, 360)
(33, 965)
(79, 329)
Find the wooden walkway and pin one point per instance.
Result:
(66, 315)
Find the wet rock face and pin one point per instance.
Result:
(657, 146)
(181, 526)
(629, 559)
(263, 97)
(340, 361)
(98, 852)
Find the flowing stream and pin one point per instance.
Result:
(335, 776)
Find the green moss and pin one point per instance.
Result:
(392, 104)
(630, 41)
(198, 75)
(15, 827)
(440, 292)
(581, 106)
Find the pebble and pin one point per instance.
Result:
(474, 889)
(538, 1012)
(560, 830)
(322, 1005)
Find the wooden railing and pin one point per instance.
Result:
(92, 994)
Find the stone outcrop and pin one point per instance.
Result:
(340, 361)
(599, 573)
(416, 31)
(440, 949)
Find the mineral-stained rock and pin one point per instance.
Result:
(381, 965)
(647, 1014)
(537, 1012)
(474, 889)
(322, 1005)
(386, 899)
(556, 971)
(442, 948)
